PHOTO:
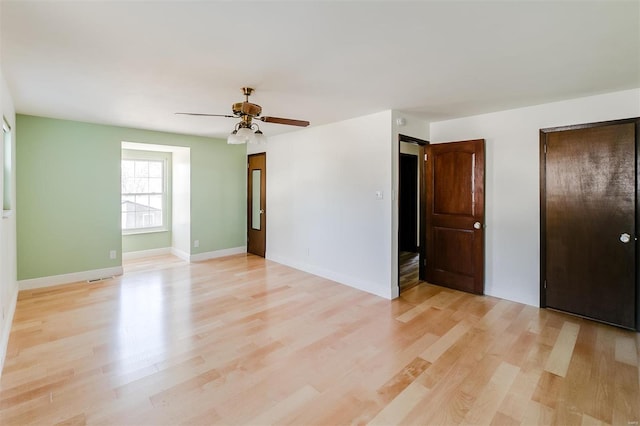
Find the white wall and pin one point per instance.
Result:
(322, 213)
(181, 210)
(512, 185)
(8, 281)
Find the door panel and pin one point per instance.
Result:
(256, 204)
(590, 201)
(455, 203)
(454, 251)
(453, 183)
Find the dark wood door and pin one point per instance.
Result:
(408, 203)
(589, 216)
(257, 204)
(455, 215)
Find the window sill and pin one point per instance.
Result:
(143, 231)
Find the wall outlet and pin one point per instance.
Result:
(196, 243)
(112, 254)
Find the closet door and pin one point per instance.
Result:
(589, 208)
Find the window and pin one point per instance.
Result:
(144, 195)
(6, 169)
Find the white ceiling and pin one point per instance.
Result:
(136, 63)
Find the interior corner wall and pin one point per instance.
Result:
(8, 280)
(512, 187)
(323, 213)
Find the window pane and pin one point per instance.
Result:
(142, 168)
(143, 180)
(128, 220)
(155, 202)
(142, 203)
(141, 186)
(155, 169)
(128, 185)
(255, 200)
(7, 166)
(155, 185)
(127, 168)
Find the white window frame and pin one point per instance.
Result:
(7, 169)
(151, 157)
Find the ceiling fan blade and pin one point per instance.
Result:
(288, 121)
(206, 115)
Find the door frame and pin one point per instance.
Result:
(421, 202)
(543, 202)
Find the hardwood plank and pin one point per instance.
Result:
(242, 340)
(590, 421)
(626, 351)
(445, 342)
(560, 357)
(538, 414)
(401, 405)
(486, 406)
(275, 414)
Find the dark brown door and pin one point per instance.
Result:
(589, 213)
(455, 215)
(257, 204)
(408, 203)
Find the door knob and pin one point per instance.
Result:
(261, 211)
(625, 238)
(477, 225)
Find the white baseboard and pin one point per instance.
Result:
(217, 253)
(184, 255)
(6, 330)
(146, 253)
(41, 282)
(181, 254)
(349, 281)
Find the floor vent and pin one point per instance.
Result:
(95, 280)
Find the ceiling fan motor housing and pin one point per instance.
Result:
(246, 108)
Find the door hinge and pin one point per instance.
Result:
(545, 148)
(545, 284)
(425, 157)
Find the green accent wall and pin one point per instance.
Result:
(146, 241)
(68, 193)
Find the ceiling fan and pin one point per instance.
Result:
(247, 112)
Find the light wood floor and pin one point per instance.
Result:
(241, 340)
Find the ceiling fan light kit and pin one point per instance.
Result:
(246, 131)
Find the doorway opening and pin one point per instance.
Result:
(411, 202)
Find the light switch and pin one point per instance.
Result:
(378, 195)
